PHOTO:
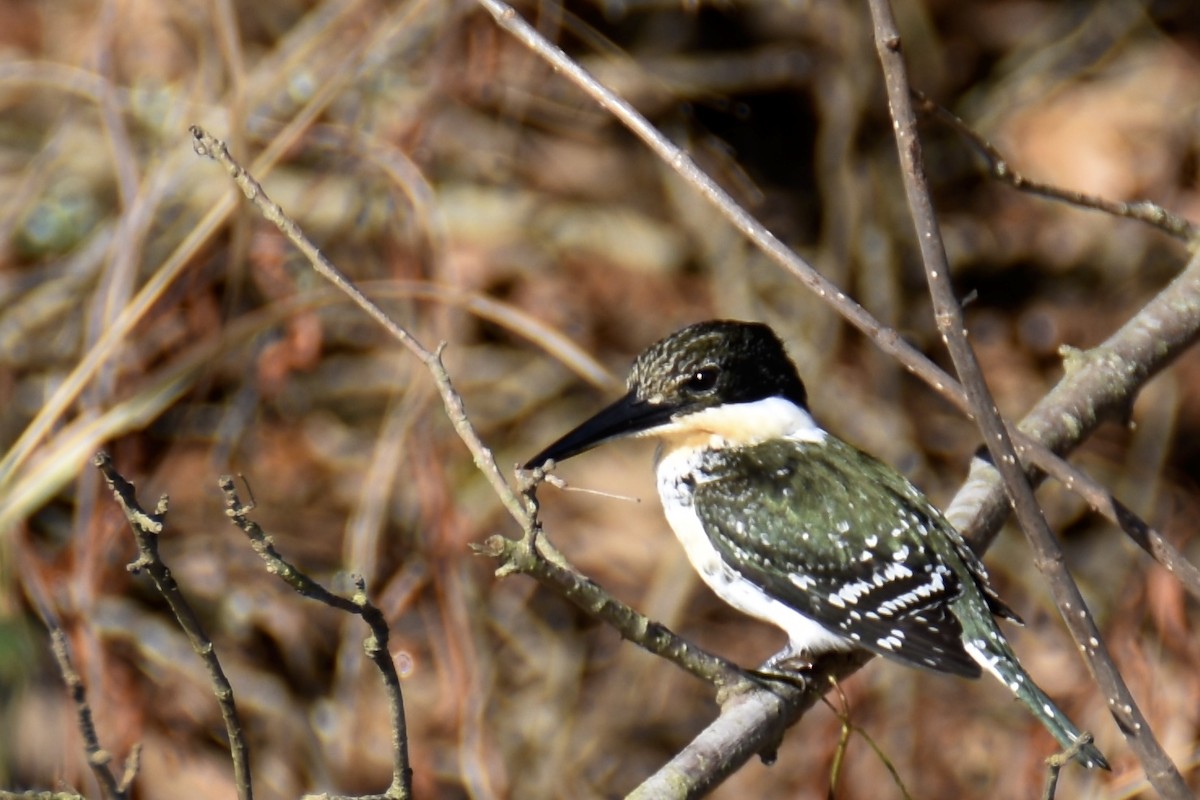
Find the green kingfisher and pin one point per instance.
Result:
(791, 525)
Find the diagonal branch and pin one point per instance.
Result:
(1000, 169)
(1048, 555)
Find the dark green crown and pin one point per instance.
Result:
(716, 362)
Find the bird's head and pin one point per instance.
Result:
(706, 377)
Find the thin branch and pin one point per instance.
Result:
(842, 712)
(376, 645)
(519, 555)
(97, 757)
(1137, 529)
(999, 168)
(146, 528)
(533, 554)
(1048, 556)
(210, 147)
(1098, 384)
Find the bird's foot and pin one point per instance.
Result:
(786, 669)
(788, 666)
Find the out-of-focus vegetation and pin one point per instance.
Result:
(440, 164)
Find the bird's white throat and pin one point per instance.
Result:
(740, 424)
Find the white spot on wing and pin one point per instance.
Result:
(988, 661)
(889, 642)
(849, 593)
(802, 581)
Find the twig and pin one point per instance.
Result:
(1000, 169)
(1056, 762)
(376, 645)
(1048, 556)
(210, 147)
(1137, 529)
(848, 727)
(532, 554)
(146, 528)
(521, 555)
(97, 757)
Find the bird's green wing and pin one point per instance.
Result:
(844, 540)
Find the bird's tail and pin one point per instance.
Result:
(992, 653)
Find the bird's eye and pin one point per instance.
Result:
(702, 380)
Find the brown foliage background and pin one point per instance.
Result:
(490, 206)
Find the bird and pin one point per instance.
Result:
(793, 526)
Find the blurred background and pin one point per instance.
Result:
(146, 308)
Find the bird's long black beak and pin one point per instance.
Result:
(627, 416)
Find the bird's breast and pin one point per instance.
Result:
(680, 471)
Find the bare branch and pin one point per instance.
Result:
(999, 168)
(146, 528)
(210, 147)
(97, 757)
(1048, 556)
(523, 556)
(376, 645)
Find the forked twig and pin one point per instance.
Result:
(146, 527)
(376, 645)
